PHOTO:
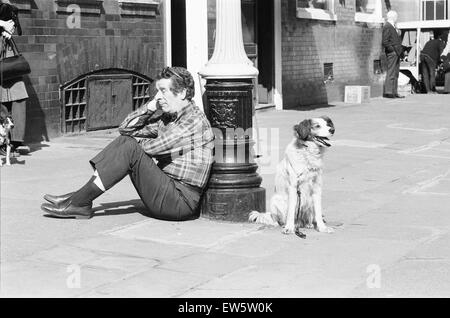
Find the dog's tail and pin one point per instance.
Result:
(262, 218)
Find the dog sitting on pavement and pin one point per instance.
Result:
(6, 124)
(297, 201)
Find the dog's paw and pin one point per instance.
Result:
(253, 216)
(325, 229)
(288, 229)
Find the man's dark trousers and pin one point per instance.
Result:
(428, 68)
(392, 72)
(164, 197)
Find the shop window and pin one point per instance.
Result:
(369, 11)
(316, 9)
(434, 9)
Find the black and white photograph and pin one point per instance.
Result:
(225, 154)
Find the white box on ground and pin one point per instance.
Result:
(357, 94)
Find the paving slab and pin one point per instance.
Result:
(206, 263)
(146, 249)
(49, 279)
(201, 233)
(411, 278)
(153, 283)
(436, 248)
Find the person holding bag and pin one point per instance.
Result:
(13, 94)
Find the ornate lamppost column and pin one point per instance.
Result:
(234, 187)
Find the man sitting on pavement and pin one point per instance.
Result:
(170, 129)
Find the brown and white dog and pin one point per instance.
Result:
(6, 124)
(297, 201)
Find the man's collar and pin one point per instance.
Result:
(186, 109)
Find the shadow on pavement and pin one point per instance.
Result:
(313, 107)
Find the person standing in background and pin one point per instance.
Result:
(392, 45)
(430, 57)
(13, 93)
(445, 57)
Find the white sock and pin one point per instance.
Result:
(98, 182)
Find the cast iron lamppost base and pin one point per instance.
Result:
(234, 186)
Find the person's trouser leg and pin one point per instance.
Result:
(432, 72)
(391, 73)
(160, 194)
(426, 73)
(447, 83)
(396, 74)
(18, 112)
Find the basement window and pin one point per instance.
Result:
(369, 11)
(316, 9)
(102, 99)
(377, 67)
(328, 72)
(139, 8)
(89, 7)
(23, 5)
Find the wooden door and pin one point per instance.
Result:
(109, 100)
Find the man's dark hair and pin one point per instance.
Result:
(181, 79)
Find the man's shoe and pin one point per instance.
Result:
(68, 210)
(398, 96)
(57, 199)
(388, 96)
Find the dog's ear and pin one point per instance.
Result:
(303, 129)
(3, 110)
(328, 120)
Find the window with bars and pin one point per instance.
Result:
(142, 91)
(74, 107)
(434, 9)
(77, 116)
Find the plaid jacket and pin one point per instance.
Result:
(183, 147)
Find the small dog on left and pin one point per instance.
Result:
(6, 124)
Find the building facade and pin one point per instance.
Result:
(93, 61)
(421, 9)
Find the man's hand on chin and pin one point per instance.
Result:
(152, 105)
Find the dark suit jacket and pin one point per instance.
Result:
(392, 42)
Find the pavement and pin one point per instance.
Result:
(386, 191)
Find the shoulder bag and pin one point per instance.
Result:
(13, 66)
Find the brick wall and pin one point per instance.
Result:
(307, 44)
(57, 53)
